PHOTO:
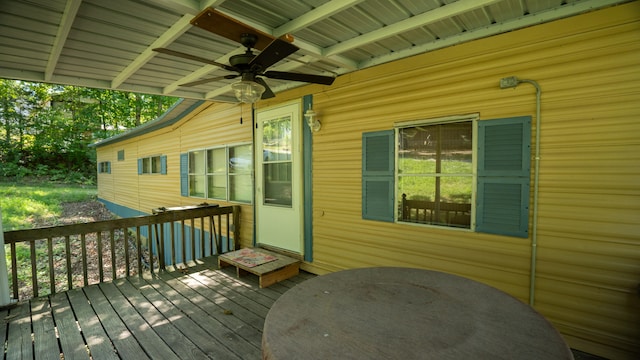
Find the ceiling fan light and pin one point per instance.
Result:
(247, 91)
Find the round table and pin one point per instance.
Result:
(403, 313)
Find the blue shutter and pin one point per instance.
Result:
(139, 166)
(108, 167)
(184, 174)
(163, 165)
(378, 175)
(504, 151)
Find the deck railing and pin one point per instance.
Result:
(61, 257)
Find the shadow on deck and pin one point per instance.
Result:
(196, 313)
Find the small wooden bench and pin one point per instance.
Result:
(430, 212)
(282, 268)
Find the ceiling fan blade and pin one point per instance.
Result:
(310, 78)
(193, 57)
(204, 81)
(267, 94)
(276, 51)
(228, 27)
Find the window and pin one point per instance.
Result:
(223, 173)
(217, 173)
(196, 173)
(153, 165)
(104, 167)
(435, 173)
(120, 155)
(240, 166)
(431, 168)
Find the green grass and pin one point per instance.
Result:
(26, 205)
(22, 204)
(453, 188)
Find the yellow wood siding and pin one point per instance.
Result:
(208, 126)
(588, 263)
(218, 125)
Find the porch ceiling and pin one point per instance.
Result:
(108, 44)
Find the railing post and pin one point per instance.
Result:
(5, 298)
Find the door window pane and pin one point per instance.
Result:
(277, 171)
(277, 183)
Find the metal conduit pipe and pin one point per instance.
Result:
(512, 82)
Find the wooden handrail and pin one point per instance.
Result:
(163, 244)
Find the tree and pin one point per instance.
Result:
(48, 128)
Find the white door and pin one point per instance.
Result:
(279, 212)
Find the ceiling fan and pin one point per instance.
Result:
(248, 66)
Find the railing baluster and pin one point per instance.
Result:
(52, 275)
(228, 238)
(219, 237)
(112, 243)
(125, 233)
(139, 249)
(202, 239)
(34, 268)
(67, 250)
(100, 269)
(45, 242)
(160, 244)
(212, 233)
(236, 227)
(150, 246)
(193, 240)
(184, 242)
(14, 268)
(173, 243)
(85, 272)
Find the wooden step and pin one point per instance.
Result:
(282, 268)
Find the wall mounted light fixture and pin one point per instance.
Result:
(312, 120)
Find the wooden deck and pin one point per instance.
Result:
(197, 313)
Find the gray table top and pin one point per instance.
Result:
(402, 313)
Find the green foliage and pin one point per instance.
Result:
(23, 204)
(46, 130)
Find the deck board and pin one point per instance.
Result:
(71, 340)
(94, 335)
(44, 334)
(19, 344)
(195, 313)
(121, 338)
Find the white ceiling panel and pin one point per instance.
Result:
(109, 44)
